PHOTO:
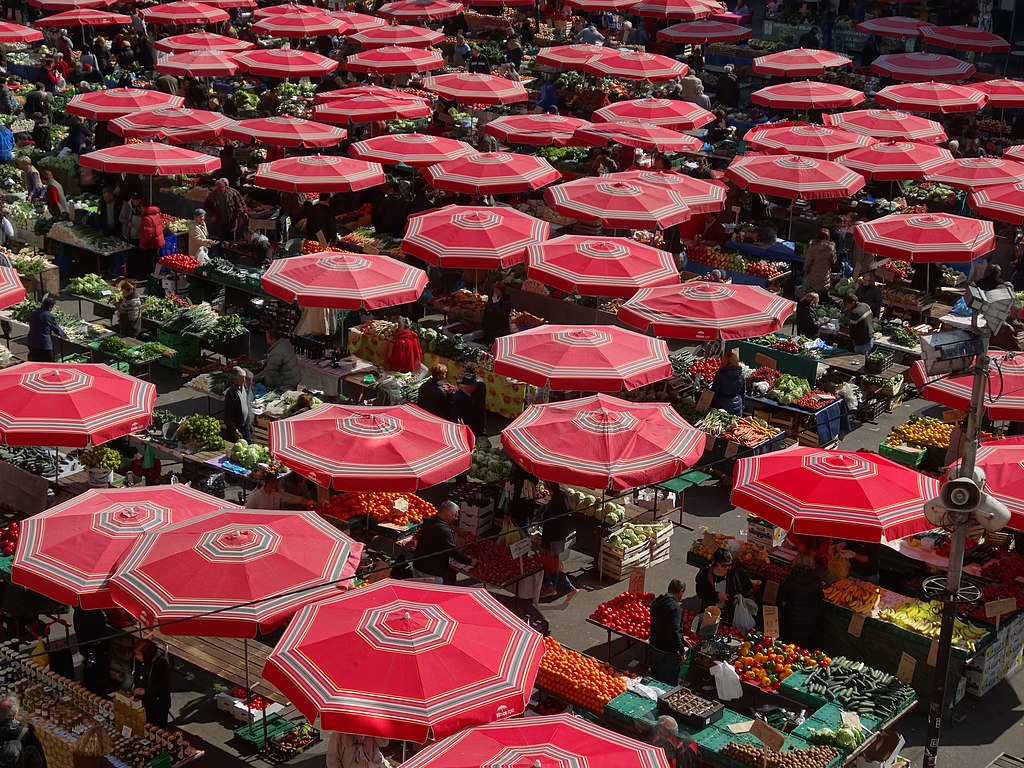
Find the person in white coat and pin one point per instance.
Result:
(347, 750)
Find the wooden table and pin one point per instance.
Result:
(854, 365)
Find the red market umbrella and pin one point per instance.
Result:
(70, 5)
(929, 238)
(1003, 464)
(964, 38)
(851, 495)
(361, 105)
(603, 442)
(499, 3)
(799, 62)
(534, 129)
(397, 34)
(637, 133)
(471, 88)
(1004, 202)
(395, 59)
(897, 160)
(931, 97)
(973, 172)
(1014, 153)
(706, 31)
(791, 176)
(678, 10)
(1002, 93)
(83, 18)
(357, 22)
(232, 3)
(570, 56)
(630, 205)
(922, 67)
(318, 173)
(885, 124)
(670, 113)
(627, 64)
(704, 311)
(198, 63)
(372, 448)
(69, 552)
(567, 357)
(1004, 390)
(700, 196)
(301, 25)
(176, 125)
(290, 9)
(116, 102)
(233, 572)
(71, 405)
(807, 94)
(184, 12)
(893, 26)
(555, 740)
(472, 237)
(16, 33)
(285, 131)
(492, 173)
(202, 41)
(611, 6)
(406, 661)
(340, 280)
(149, 159)
(12, 290)
(419, 9)
(802, 139)
(285, 62)
(610, 266)
(413, 149)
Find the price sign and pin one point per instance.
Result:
(520, 548)
(771, 620)
(905, 671)
(765, 361)
(994, 608)
(856, 624)
(772, 738)
(731, 448)
(1020, 579)
(952, 417)
(706, 398)
(126, 731)
(709, 541)
(740, 727)
(771, 593)
(637, 579)
(933, 653)
(851, 719)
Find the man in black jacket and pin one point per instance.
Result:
(666, 638)
(434, 396)
(320, 218)
(238, 403)
(437, 545)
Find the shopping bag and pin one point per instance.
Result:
(744, 613)
(39, 656)
(960, 309)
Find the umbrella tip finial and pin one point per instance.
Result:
(536, 763)
(406, 615)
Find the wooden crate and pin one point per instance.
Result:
(617, 563)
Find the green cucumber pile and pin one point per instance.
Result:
(858, 688)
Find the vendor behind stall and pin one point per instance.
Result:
(728, 385)
(436, 546)
(800, 599)
(721, 581)
(497, 311)
(862, 330)
(870, 293)
(281, 369)
(818, 261)
(404, 353)
(128, 310)
(807, 315)
(238, 406)
(666, 638)
(149, 680)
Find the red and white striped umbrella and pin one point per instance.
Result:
(366, 104)
(70, 5)
(627, 64)
(175, 126)
(286, 131)
(289, 9)
(116, 102)
(12, 290)
(150, 159)
(610, 266)
(964, 38)
(492, 173)
(300, 25)
(472, 237)
(973, 172)
(1003, 464)
(184, 12)
(1004, 390)
(394, 59)
(705, 31)
(232, 3)
(678, 10)
(233, 572)
(1002, 93)
(630, 205)
(1004, 202)
(535, 129)
(372, 448)
(16, 33)
(202, 41)
(419, 9)
(803, 139)
(357, 22)
(704, 311)
(922, 67)
(405, 661)
(701, 196)
(799, 62)
(397, 34)
(472, 88)
(637, 133)
(69, 552)
(932, 97)
(570, 56)
(857, 496)
(807, 94)
(897, 160)
(671, 113)
(570, 358)
(800, 178)
(1014, 153)
(886, 124)
(339, 280)
(500, 3)
(603, 442)
(318, 173)
(285, 62)
(199, 63)
(413, 149)
(611, 6)
(83, 18)
(893, 26)
(926, 238)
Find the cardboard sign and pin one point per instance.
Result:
(994, 608)
(851, 719)
(637, 579)
(706, 398)
(765, 361)
(771, 593)
(520, 548)
(856, 627)
(740, 727)
(905, 671)
(709, 541)
(933, 653)
(771, 620)
(772, 739)
(951, 417)
(126, 731)
(731, 449)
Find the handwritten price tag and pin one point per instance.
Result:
(905, 671)
(771, 593)
(520, 548)
(851, 719)
(740, 727)
(706, 398)
(856, 627)
(995, 608)
(764, 360)
(933, 653)
(731, 449)
(771, 620)
(772, 739)
(637, 579)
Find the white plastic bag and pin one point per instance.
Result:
(743, 615)
(727, 682)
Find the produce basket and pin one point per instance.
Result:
(253, 734)
(905, 455)
(870, 410)
(294, 741)
(878, 361)
(695, 712)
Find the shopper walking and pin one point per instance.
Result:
(42, 327)
(666, 638)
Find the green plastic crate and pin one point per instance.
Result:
(253, 734)
(907, 456)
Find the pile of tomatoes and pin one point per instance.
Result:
(766, 662)
(706, 367)
(628, 613)
(578, 678)
(179, 262)
(382, 507)
(494, 563)
(9, 539)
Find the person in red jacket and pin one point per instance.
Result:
(151, 239)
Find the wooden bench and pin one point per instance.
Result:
(224, 657)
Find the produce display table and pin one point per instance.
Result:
(829, 421)
(517, 586)
(785, 362)
(855, 365)
(78, 260)
(721, 454)
(323, 376)
(738, 278)
(781, 250)
(630, 642)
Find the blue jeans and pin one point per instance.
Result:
(864, 349)
(664, 667)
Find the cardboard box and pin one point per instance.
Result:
(883, 751)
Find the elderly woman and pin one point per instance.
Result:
(29, 177)
(729, 384)
(199, 236)
(665, 734)
(818, 261)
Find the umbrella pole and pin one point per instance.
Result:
(248, 690)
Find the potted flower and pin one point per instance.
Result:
(101, 463)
